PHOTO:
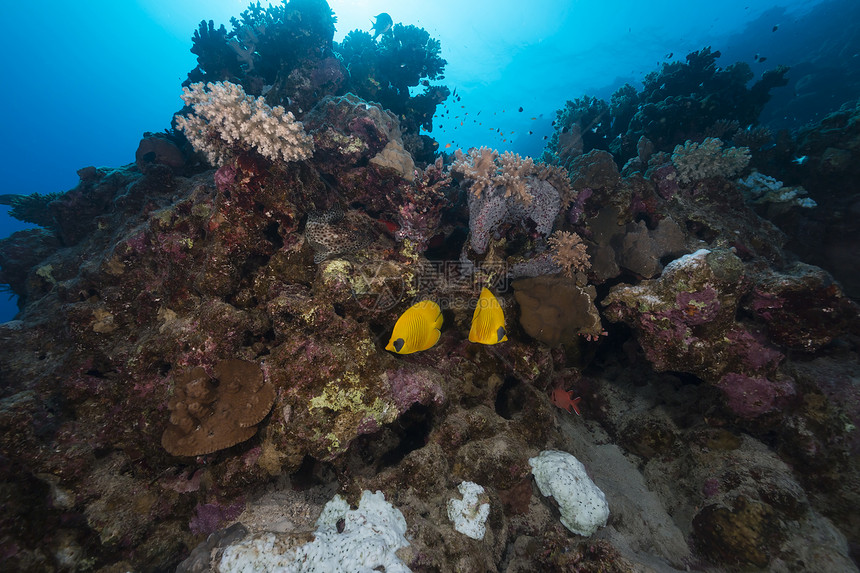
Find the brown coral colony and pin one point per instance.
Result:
(211, 414)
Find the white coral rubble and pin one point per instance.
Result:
(469, 515)
(582, 505)
(366, 541)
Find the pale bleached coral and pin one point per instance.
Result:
(479, 166)
(513, 175)
(695, 161)
(759, 189)
(227, 120)
(486, 169)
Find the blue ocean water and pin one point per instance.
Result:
(85, 80)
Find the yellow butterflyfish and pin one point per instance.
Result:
(488, 321)
(417, 328)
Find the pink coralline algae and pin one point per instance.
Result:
(225, 176)
(209, 517)
(410, 387)
(419, 206)
(686, 318)
(750, 397)
(667, 180)
(697, 307)
(711, 487)
(577, 209)
(752, 351)
(803, 307)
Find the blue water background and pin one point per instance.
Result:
(84, 80)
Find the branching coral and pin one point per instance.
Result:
(695, 161)
(225, 121)
(681, 100)
(509, 189)
(513, 175)
(279, 37)
(385, 71)
(569, 252)
(582, 125)
(215, 59)
(408, 54)
(484, 168)
(33, 208)
(761, 189)
(479, 167)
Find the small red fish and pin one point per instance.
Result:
(564, 399)
(390, 225)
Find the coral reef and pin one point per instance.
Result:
(33, 208)
(197, 379)
(681, 101)
(508, 192)
(569, 252)
(384, 71)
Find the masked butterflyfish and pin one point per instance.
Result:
(488, 322)
(417, 328)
